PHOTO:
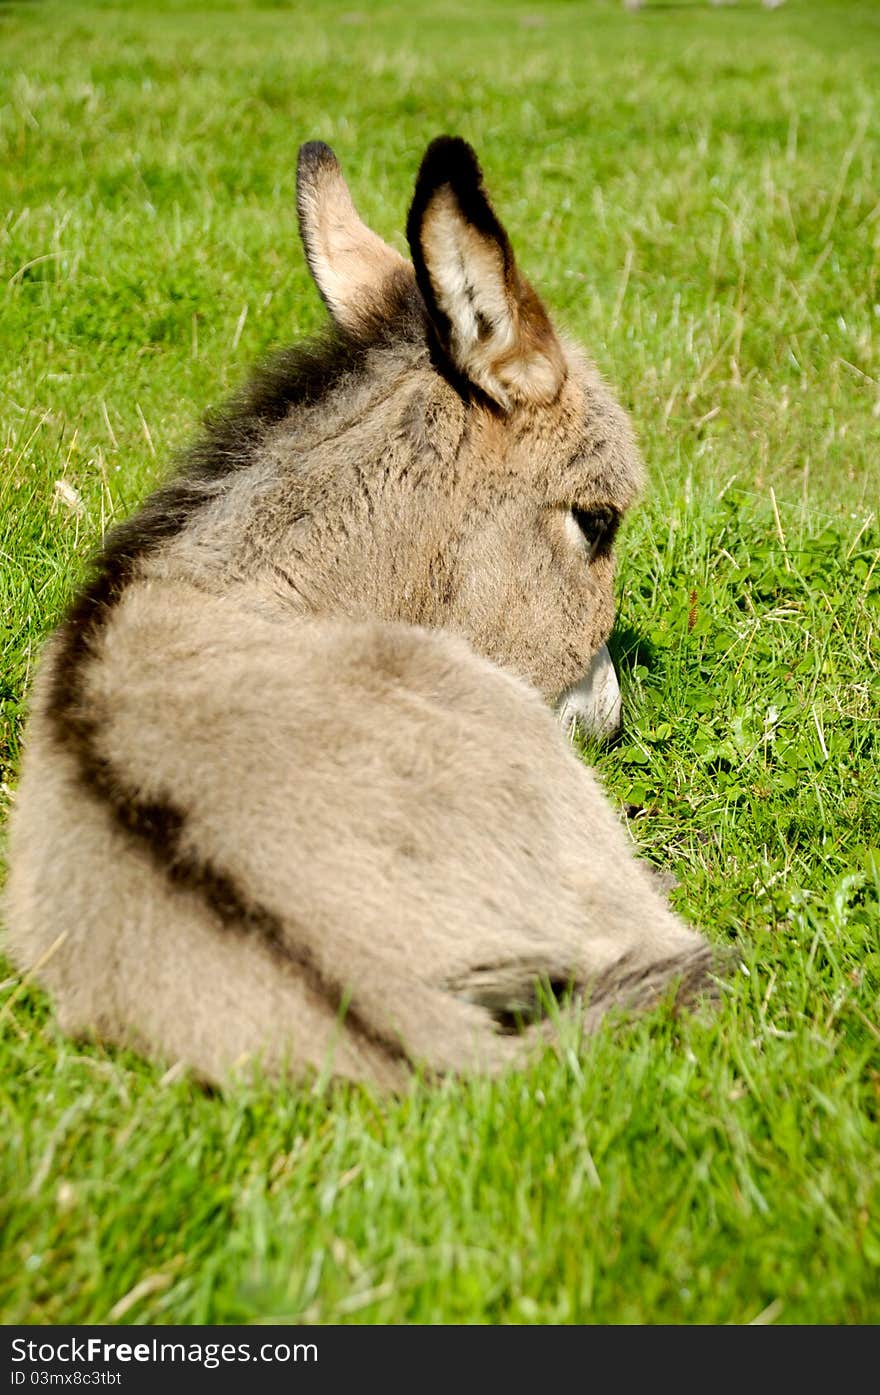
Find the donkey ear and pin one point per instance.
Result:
(353, 268)
(490, 322)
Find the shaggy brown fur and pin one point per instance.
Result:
(292, 788)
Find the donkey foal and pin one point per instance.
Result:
(293, 789)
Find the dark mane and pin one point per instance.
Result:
(300, 375)
(296, 376)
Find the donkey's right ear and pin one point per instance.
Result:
(490, 323)
(353, 268)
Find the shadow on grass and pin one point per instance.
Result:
(629, 648)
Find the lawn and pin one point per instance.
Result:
(695, 191)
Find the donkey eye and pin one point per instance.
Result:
(597, 526)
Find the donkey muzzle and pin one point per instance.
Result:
(594, 703)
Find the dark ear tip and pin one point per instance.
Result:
(314, 156)
(450, 160)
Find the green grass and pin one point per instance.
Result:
(695, 190)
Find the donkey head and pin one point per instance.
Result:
(495, 462)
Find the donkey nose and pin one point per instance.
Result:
(593, 703)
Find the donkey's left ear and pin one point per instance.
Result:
(489, 321)
(354, 270)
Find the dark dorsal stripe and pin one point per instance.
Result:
(300, 376)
